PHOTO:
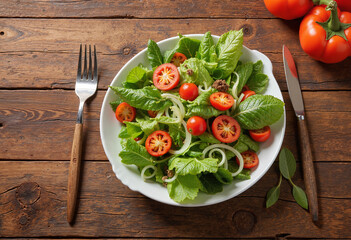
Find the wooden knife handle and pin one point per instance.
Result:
(308, 169)
(74, 171)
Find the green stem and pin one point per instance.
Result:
(334, 22)
(291, 182)
(320, 2)
(280, 180)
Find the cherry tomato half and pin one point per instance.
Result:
(221, 100)
(196, 125)
(178, 58)
(260, 135)
(189, 91)
(166, 76)
(245, 88)
(125, 112)
(158, 143)
(250, 159)
(226, 129)
(152, 114)
(247, 94)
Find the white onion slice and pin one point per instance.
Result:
(168, 180)
(144, 170)
(176, 113)
(240, 98)
(224, 157)
(235, 95)
(176, 101)
(205, 89)
(160, 113)
(186, 144)
(220, 145)
(141, 141)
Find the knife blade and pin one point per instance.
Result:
(305, 146)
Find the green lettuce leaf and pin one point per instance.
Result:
(177, 134)
(210, 184)
(240, 147)
(244, 71)
(223, 175)
(258, 83)
(258, 111)
(185, 45)
(249, 142)
(133, 129)
(134, 153)
(154, 54)
(193, 166)
(115, 104)
(148, 126)
(206, 48)
(208, 137)
(199, 74)
(245, 174)
(229, 50)
(204, 111)
(184, 187)
(123, 133)
(147, 98)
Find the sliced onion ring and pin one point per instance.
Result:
(146, 168)
(220, 145)
(224, 157)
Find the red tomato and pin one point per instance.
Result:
(152, 114)
(166, 76)
(226, 129)
(260, 135)
(245, 88)
(288, 9)
(247, 94)
(178, 58)
(344, 5)
(196, 125)
(313, 31)
(158, 143)
(250, 159)
(188, 91)
(125, 112)
(137, 139)
(221, 100)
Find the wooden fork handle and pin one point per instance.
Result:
(308, 169)
(74, 171)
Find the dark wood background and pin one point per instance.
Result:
(39, 43)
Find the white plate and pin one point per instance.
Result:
(129, 175)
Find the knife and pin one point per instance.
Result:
(305, 146)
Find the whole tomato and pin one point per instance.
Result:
(325, 33)
(288, 9)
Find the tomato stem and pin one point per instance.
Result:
(333, 22)
(321, 2)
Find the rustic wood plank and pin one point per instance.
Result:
(39, 125)
(135, 9)
(42, 53)
(33, 203)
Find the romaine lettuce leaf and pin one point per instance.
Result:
(244, 71)
(204, 111)
(243, 175)
(177, 134)
(185, 45)
(258, 111)
(223, 175)
(147, 98)
(258, 82)
(193, 71)
(229, 50)
(193, 166)
(206, 48)
(137, 77)
(208, 137)
(134, 153)
(249, 142)
(184, 187)
(148, 126)
(133, 129)
(154, 54)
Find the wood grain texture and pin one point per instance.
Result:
(135, 9)
(39, 125)
(34, 204)
(43, 53)
(308, 168)
(74, 172)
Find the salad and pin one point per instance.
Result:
(194, 121)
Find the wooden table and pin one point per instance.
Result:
(39, 43)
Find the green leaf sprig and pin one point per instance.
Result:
(287, 167)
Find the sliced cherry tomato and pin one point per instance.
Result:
(226, 129)
(196, 125)
(221, 100)
(247, 94)
(137, 139)
(250, 159)
(158, 143)
(125, 112)
(152, 114)
(260, 135)
(166, 76)
(189, 91)
(178, 58)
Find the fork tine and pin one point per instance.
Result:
(85, 64)
(95, 66)
(79, 72)
(90, 73)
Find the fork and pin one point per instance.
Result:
(86, 86)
